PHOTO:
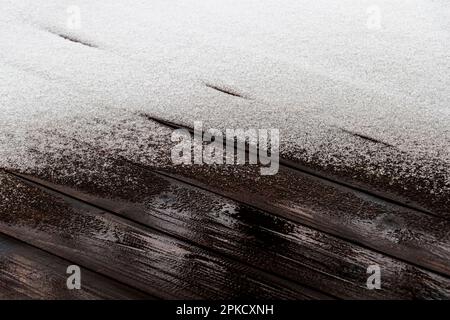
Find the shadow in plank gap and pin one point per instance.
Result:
(132, 253)
(30, 273)
(255, 237)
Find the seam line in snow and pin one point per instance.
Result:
(225, 90)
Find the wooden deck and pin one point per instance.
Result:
(143, 232)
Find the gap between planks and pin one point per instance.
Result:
(71, 195)
(327, 178)
(193, 183)
(124, 287)
(35, 183)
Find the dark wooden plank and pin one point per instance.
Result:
(359, 178)
(30, 273)
(256, 237)
(400, 232)
(141, 257)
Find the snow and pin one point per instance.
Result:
(313, 69)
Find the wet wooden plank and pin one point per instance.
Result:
(400, 191)
(418, 238)
(30, 273)
(277, 245)
(131, 253)
(400, 232)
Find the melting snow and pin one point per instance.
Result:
(342, 94)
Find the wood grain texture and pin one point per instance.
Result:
(256, 237)
(291, 226)
(29, 273)
(409, 191)
(131, 253)
(400, 232)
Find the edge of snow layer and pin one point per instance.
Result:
(368, 105)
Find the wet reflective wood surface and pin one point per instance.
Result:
(141, 232)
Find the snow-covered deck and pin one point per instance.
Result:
(358, 89)
(210, 232)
